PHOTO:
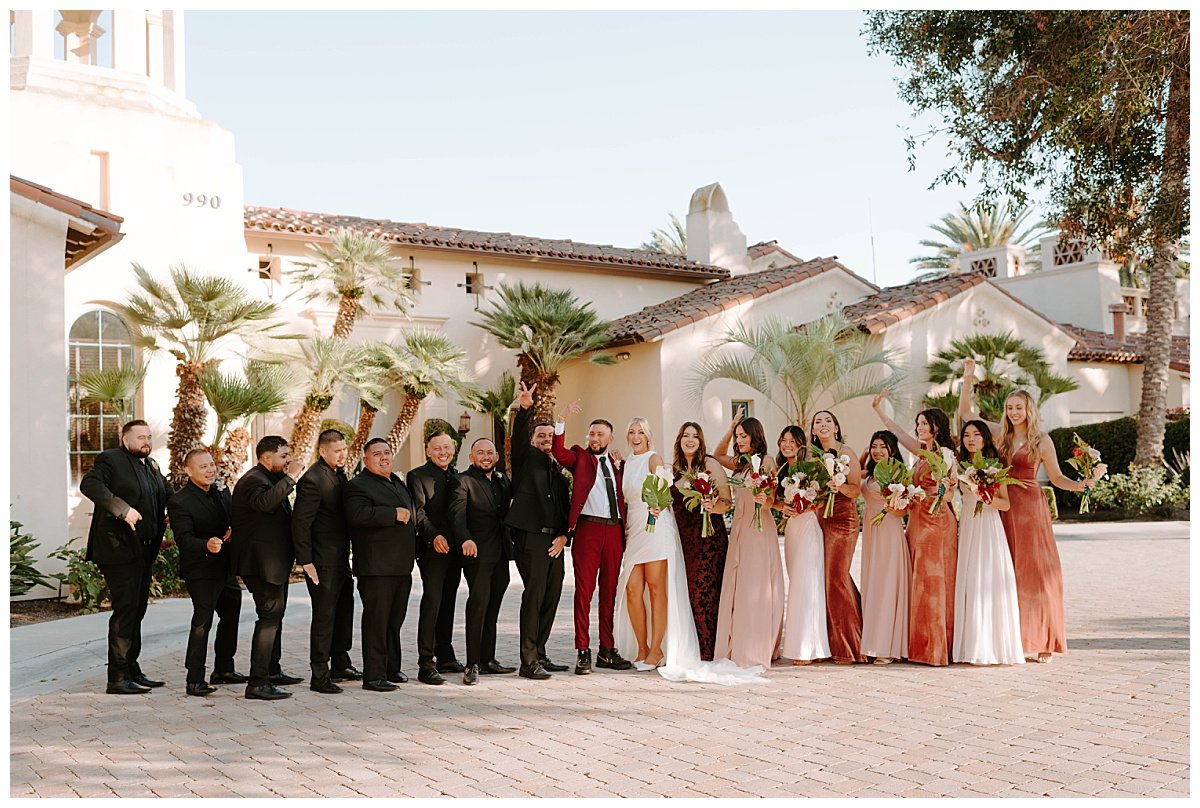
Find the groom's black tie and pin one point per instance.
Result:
(608, 487)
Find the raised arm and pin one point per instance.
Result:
(565, 457)
(721, 453)
(520, 447)
(906, 440)
(966, 405)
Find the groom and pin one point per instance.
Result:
(595, 521)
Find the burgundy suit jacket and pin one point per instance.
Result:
(583, 467)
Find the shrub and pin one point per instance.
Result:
(165, 580)
(438, 425)
(340, 426)
(22, 575)
(1142, 490)
(82, 577)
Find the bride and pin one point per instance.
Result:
(653, 623)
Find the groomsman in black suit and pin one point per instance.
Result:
(538, 517)
(322, 544)
(128, 523)
(201, 515)
(379, 510)
(478, 505)
(440, 559)
(263, 557)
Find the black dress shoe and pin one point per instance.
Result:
(609, 658)
(200, 689)
(398, 678)
(266, 693)
(536, 672)
(379, 685)
(145, 681)
(125, 688)
(282, 678)
(324, 686)
(430, 676)
(494, 667)
(583, 662)
(471, 675)
(230, 678)
(350, 674)
(452, 666)
(553, 667)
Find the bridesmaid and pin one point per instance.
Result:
(1027, 524)
(844, 605)
(805, 633)
(703, 559)
(886, 569)
(750, 616)
(932, 543)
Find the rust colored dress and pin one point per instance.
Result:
(843, 602)
(933, 547)
(704, 562)
(1035, 561)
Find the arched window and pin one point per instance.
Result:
(99, 340)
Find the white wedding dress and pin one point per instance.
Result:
(987, 622)
(681, 649)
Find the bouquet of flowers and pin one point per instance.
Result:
(895, 484)
(758, 481)
(1086, 460)
(941, 463)
(985, 475)
(800, 490)
(656, 492)
(836, 472)
(696, 488)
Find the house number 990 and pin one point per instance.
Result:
(201, 201)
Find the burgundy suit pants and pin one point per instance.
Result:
(596, 551)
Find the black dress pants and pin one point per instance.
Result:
(129, 592)
(270, 601)
(440, 574)
(222, 597)
(384, 605)
(486, 582)
(332, 628)
(543, 580)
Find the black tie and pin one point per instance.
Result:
(608, 486)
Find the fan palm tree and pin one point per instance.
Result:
(193, 317)
(354, 267)
(426, 362)
(670, 240)
(384, 364)
(797, 368)
(112, 387)
(977, 228)
(546, 327)
(1004, 363)
(265, 388)
(496, 402)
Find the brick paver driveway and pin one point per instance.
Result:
(1108, 718)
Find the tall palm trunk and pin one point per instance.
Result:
(234, 455)
(305, 430)
(187, 420)
(403, 423)
(546, 398)
(362, 434)
(343, 326)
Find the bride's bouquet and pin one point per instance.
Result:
(941, 464)
(1086, 461)
(758, 481)
(696, 488)
(836, 472)
(986, 476)
(656, 492)
(799, 489)
(895, 484)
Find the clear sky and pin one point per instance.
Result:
(580, 125)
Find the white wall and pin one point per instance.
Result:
(1079, 294)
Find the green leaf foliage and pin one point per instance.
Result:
(984, 225)
(355, 266)
(115, 387)
(22, 575)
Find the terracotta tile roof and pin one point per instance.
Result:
(451, 238)
(1098, 346)
(698, 304)
(105, 227)
(757, 251)
(895, 303)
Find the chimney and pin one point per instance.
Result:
(713, 237)
(1118, 318)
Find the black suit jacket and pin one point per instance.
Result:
(196, 517)
(430, 487)
(115, 485)
(382, 546)
(262, 525)
(319, 530)
(540, 495)
(478, 506)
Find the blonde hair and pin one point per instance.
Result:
(1033, 428)
(645, 425)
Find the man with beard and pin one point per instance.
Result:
(128, 524)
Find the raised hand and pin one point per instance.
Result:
(879, 397)
(740, 416)
(525, 396)
(968, 368)
(574, 408)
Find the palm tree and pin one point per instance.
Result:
(353, 267)
(384, 364)
(796, 369)
(1005, 363)
(265, 388)
(496, 403)
(546, 327)
(193, 318)
(985, 225)
(672, 240)
(426, 362)
(112, 387)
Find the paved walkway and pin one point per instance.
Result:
(1109, 718)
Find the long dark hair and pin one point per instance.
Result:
(893, 447)
(758, 442)
(797, 434)
(680, 461)
(989, 447)
(837, 435)
(939, 423)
